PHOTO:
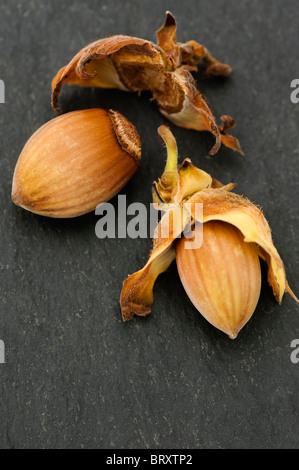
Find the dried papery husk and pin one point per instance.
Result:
(75, 162)
(133, 64)
(137, 293)
(222, 278)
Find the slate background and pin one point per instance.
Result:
(76, 376)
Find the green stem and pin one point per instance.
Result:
(172, 149)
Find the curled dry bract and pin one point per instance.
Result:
(133, 64)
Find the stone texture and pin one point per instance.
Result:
(75, 375)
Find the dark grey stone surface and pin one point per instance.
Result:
(75, 375)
